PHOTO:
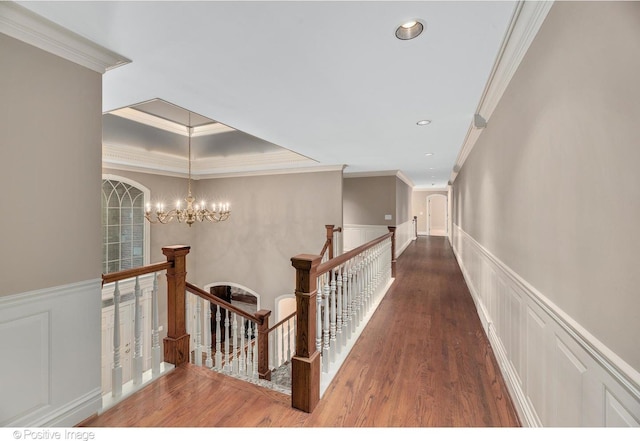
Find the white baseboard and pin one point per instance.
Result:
(557, 373)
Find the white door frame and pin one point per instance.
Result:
(446, 213)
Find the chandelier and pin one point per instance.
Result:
(194, 211)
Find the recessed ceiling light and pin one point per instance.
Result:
(410, 29)
(428, 154)
(424, 122)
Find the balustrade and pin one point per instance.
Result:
(334, 299)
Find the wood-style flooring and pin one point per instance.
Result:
(422, 361)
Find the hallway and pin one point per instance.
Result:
(422, 361)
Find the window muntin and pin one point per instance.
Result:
(123, 228)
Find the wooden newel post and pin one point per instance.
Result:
(393, 251)
(305, 365)
(263, 344)
(330, 239)
(415, 226)
(176, 343)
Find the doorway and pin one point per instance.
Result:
(437, 215)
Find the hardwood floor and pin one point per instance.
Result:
(422, 361)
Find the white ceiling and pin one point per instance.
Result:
(325, 79)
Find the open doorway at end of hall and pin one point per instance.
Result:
(437, 222)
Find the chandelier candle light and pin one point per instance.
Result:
(195, 211)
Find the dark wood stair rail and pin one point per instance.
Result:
(328, 244)
(261, 318)
(176, 343)
(305, 364)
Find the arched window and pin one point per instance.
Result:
(124, 233)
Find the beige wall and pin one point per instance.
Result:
(368, 199)
(552, 187)
(51, 132)
(419, 206)
(273, 218)
(403, 202)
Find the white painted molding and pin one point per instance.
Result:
(525, 22)
(120, 157)
(56, 361)
(397, 173)
(22, 24)
(485, 274)
(169, 126)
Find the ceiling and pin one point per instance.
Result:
(301, 83)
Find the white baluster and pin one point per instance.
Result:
(250, 346)
(197, 353)
(339, 309)
(137, 329)
(242, 368)
(332, 318)
(319, 316)
(254, 352)
(288, 358)
(352, 298)
(156, 352)
(234, 345)
(346, 305)
(283, 356)
(207, 333)
(116, 373)
(227, 337)
(325, 331)
(218, 360)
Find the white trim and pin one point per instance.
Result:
(169, 126)
(120, 157)
(64, 387)
(21, 23)
(397, 173)
(147, 199)
(525, 22)
(484, 273)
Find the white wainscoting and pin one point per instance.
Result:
(50, 346)
(557, 373)
(355, 235)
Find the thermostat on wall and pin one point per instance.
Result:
(387, 217)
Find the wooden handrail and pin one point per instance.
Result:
(329, 242)
(287, 318)
(134, 272)
(218, 301)
(330, 264)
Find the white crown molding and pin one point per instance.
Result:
(130, 159)
(169, 126)
(527, 18)
(22, 24)
(397, 173)
(275, 171)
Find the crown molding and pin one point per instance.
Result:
(397, 173)
(169, 126)
(275, 171)
(132, 159)
(525, 23)
(22, 24)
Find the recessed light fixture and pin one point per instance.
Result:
(410, 29)
(428, 154)
(424, 122)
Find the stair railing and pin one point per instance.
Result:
(121, 283)
(245, 352)
(333, 299)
